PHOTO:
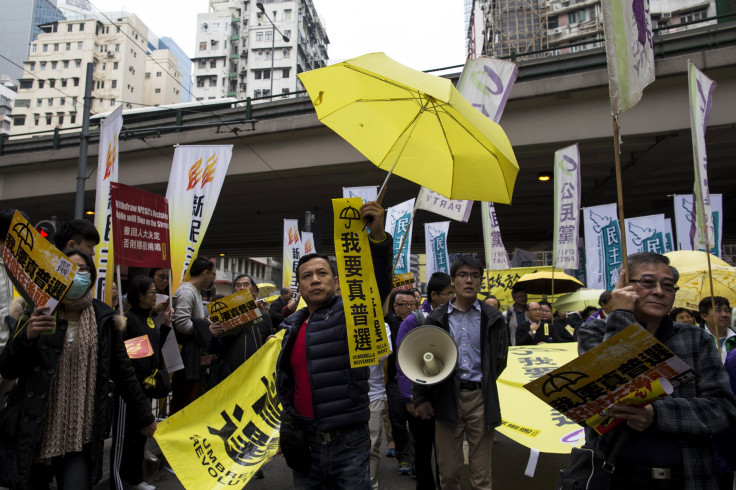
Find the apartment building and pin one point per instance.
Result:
(51, 90)
(240, 53)
(8, 90)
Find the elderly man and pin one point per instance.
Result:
(517, 314)
(671, 437)
(325, 400)
(465, 405)
(528, 333)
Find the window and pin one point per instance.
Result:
(287, 33)
(572, 18)
(72, 118)
(266, 74)
(48, 120)
(66, 64)
(22, 103)
(76, 81)
(213, 63)
(268, 35)
(285, 72)
(68, 46)
(287, 14)
(256, 93)
(285, 91)
(41, 83)
(213, 82)
(214, 43)
(56, 46)
(61, 119)
(201, 64)
(52, 82)
(36, 118)
(63, 82)
(53, 65)
(117, 29)
(62, 100)
(693, 16)
(81, 26)
(158, 91)
(200, 82)
(19, 120)
(33, 48)
(259, 36)
(266, 92)
(581, 16)
(39, 102)
(51, 101)
(79, 44)
(77, 63)
(117, 48)
(104, 66)
(31, 66)
(114, 84)
(112, 102)
(43, 65)
(257, 74)
(26, 84)
(115, 65)
(74, 101)
(158, 74)
(69, 27)
(203, 46)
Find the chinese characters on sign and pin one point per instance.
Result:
(567, 207)
(603, 251)
(237, 310)
(140, 223)
(404, 281)
(435, 240)
(360, 296)
(40, 272)
(398, 224)
(291, 254)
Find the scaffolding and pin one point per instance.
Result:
(515, 27)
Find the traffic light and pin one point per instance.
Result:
(46, 228)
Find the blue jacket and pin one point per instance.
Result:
(339, 392)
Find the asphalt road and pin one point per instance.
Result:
(509, 461)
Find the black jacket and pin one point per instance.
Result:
(234, 349)
(34, 364)
(493, 352)
(138, 325)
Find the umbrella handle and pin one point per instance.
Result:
(379, 200)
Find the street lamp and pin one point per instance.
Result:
(273, 40)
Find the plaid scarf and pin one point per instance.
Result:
(68, 421)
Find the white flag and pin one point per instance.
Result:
(701, 100)
(435, 202)
(398, 224)
(196, 178)
(685, 222)
(646, 234)
(567, 207)
(308, 243)
(629, 51)
(366, 193)
(603, 251)
(107, 171)
(293, 250)
(496, 257)
(435, 241)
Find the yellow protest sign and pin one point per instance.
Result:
(221, 439)
(525, 418)
(237, 310)
(623, 364)
(40, 272)
(499, 283)
(403, 281)
(360, 297)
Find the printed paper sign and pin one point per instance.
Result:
(139, 347)
(623, 364)
(237, 310)
(39, 271)
(500, 283)
(404, 281)
(140, 223)
(360, 297)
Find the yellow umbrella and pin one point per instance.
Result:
(694, 285)
(690, 259)
(415, 125)
(579, 300)
(541, 282)
(265, 289)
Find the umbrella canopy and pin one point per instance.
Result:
(265, 289)
(579, 300)
(415, 125)
(694, 285)
(690, 259)
(541, 283)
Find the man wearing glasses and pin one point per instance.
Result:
(465, 405)
(670, 442)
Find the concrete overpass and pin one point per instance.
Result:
(288, 162)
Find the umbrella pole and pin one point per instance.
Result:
(620, 196)
(712, 320)
(401, 247)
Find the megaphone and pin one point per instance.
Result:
(427, 355)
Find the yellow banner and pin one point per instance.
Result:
(360, 297)
(39, 271)
(499, 283)
(403, 281)
(623, 364)
(235, 310)
(221, 439)
(525, 418)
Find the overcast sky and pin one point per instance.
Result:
(422, 34)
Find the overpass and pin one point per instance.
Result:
(285, 162)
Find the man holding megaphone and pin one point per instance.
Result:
(465, 404)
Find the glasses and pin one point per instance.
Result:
(162, 277)
(151, 292)
(464, 275)
(404, 304)
(649, 284)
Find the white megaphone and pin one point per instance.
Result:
(427, 355)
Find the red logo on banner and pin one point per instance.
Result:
(293, 236)
(207, 176)
(110, 159)
(194, 174)
(209, 172)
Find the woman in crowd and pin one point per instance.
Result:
(683, 315)
(126, 456)
(59, 412)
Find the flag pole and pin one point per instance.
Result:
(620, 197)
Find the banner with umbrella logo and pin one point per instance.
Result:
(292, 253)
(701, 99)
(567, 207)
(603, 251)
(236, 311)
(196, 178)
(107, 171)
(685, 222)
(398, 224)
(435, 241)
(646, 234)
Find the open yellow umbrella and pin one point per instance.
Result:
(691, 259)
(415, 125)
(541, 282)
(694, 285)
(265, 289)
(579, 300)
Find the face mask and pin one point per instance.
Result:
(80, 285)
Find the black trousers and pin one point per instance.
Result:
(399, 420)
(422, 432)
(72, 472)
(126, 453)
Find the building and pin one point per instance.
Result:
(238, 53)
(128, 70)
(8, 89)
(20, 21)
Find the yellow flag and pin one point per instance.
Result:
(360, 297)
(222, 438)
